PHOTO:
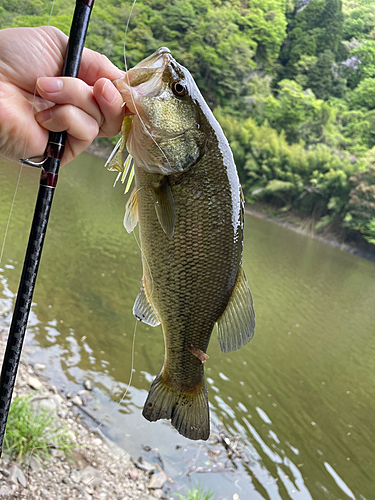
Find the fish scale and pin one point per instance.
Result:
(190, 301)
(188, 203)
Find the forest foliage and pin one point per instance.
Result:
(291, 82)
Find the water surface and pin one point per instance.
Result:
(301, 394)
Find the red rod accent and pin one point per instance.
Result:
(48, 179)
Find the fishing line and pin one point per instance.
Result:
(10, 213)
(148, 265)
(41, 56)
(32, 104)
(130, 379)
(26, 142)
(138, 243)
(117, 405)
(121, 400)
(126, 32)
(131, 89)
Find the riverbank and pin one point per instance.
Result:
(295, 223)
(94, 468)
(286, 219)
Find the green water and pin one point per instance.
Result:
(301, 395)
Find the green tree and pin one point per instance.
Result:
(314, 32)
(365, 57)
(220, 42)
(364, 94)
(297, 112)
(320, 76)
(361, 214)
(359, 20)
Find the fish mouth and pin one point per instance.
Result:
(146, 78)
(159, 59)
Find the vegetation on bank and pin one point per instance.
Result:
(197, 494)
(291, 81)
(29, 432)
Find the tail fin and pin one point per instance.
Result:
(188, 411)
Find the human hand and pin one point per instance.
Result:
(86, 107)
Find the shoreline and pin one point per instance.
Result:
(288, 220)
(96, 468)
(306, 227)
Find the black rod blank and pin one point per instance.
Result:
(48, 180)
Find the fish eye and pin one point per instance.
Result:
(178, 89)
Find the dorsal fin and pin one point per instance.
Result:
(236, 324)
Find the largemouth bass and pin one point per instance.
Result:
(190, 209)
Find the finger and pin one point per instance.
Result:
(81, 127)
(73, 148)
(110, 103)
(74, 120)
(95, 66)
(70, 91)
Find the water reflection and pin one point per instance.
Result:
(300, 395)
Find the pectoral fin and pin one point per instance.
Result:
(164, 206)
(131, 212)
(236, 324)
(143, 310)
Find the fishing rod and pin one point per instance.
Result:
(50, 164)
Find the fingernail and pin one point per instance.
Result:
(43, 116)
(109, 92)
(50, 85)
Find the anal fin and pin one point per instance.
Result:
(143, 310)
(236, 324)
